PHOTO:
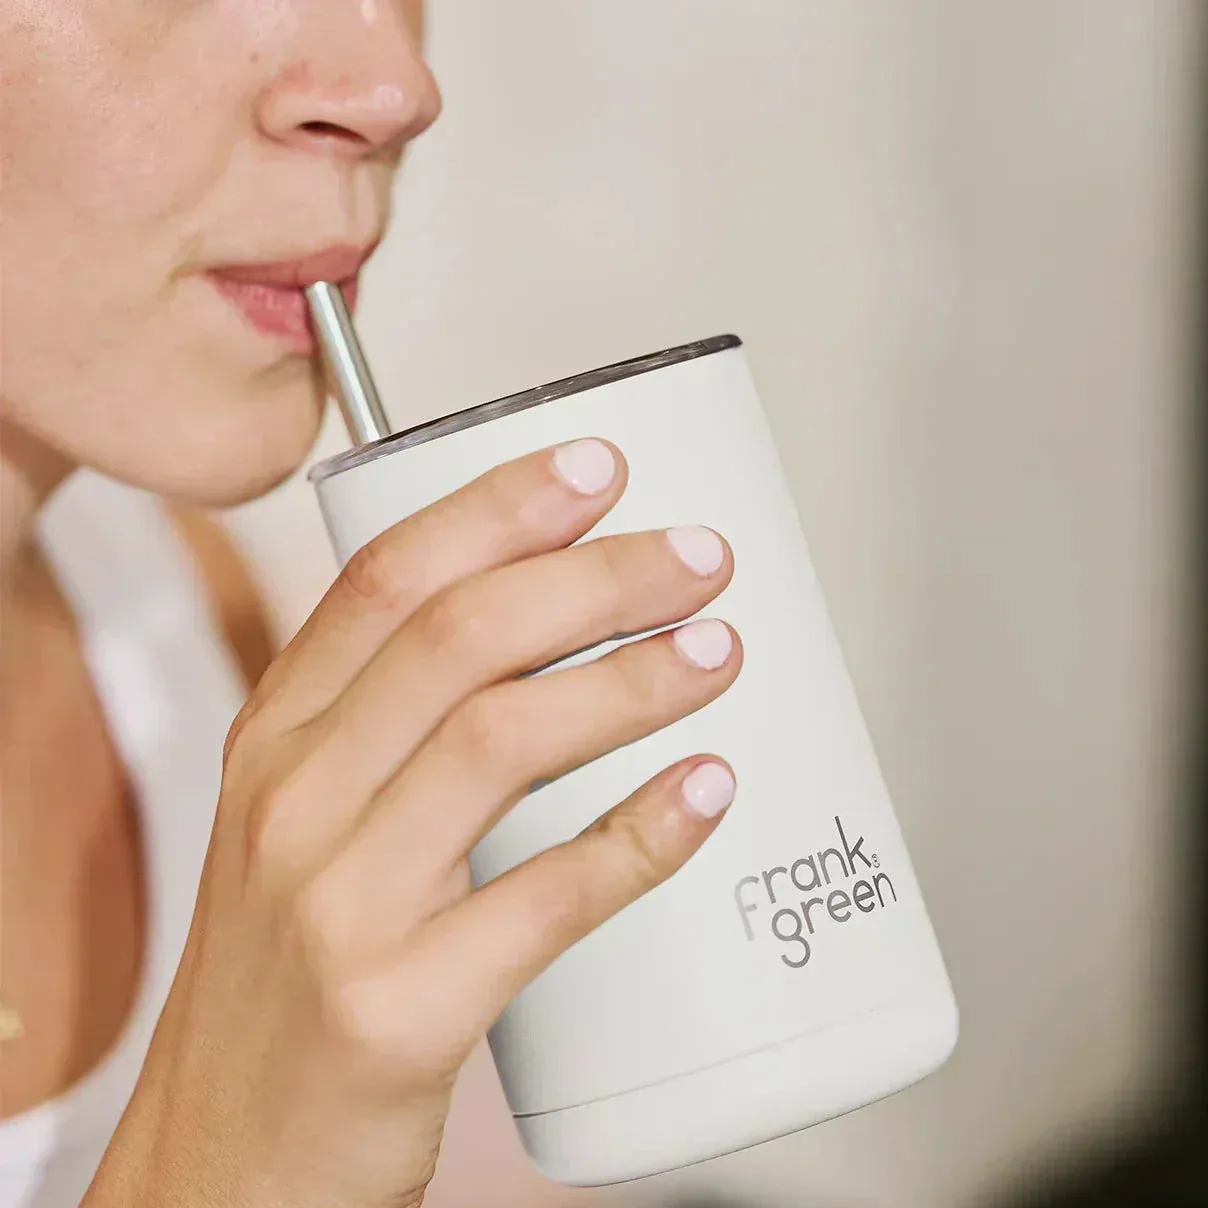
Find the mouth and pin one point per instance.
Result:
(271, 296)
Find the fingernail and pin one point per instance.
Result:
(586, 465)
(699, 549)
(706, 644)
(708, 789)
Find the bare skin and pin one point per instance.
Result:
(135, 159)
(339, 969)
(323, 912)
(73, 927)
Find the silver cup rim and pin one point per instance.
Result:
(482, 413)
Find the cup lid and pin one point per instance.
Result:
(483, 413)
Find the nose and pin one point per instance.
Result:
(353, 82)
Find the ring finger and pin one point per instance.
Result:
(488, 754)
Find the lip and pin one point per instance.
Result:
(270, 294)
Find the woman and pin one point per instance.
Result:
(174, 174)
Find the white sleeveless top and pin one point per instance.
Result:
(169, 688)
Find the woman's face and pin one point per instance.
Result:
(174, 171)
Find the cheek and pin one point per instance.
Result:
(94, 181)
(106, 353)
(94, 112)
(108, 158)
(115, 360)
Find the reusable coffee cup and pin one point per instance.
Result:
(789, 972)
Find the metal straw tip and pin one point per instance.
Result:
(347, 369)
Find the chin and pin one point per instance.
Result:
(233, 451)
(202, 424)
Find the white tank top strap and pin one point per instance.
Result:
(169, 688)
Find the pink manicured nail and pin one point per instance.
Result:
(708, 789)
(699, 549)
(705, 644)
(586, 465)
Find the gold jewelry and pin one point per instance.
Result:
(11, 1027)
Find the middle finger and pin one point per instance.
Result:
(488, 754)
(500, 624)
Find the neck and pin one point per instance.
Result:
(29, 473)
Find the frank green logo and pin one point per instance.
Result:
(771, 903)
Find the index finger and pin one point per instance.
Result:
(536, 503)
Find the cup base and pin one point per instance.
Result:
(743, 1102)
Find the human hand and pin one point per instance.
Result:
(340, 967)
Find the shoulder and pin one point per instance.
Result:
(233, 592)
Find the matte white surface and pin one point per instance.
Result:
(743, 1102)
(684, 979)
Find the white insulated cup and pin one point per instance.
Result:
(788, 973)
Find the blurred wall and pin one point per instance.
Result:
(955, 238)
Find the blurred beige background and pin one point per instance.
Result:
(955, 237)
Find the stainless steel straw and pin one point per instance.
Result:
(346, 365)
